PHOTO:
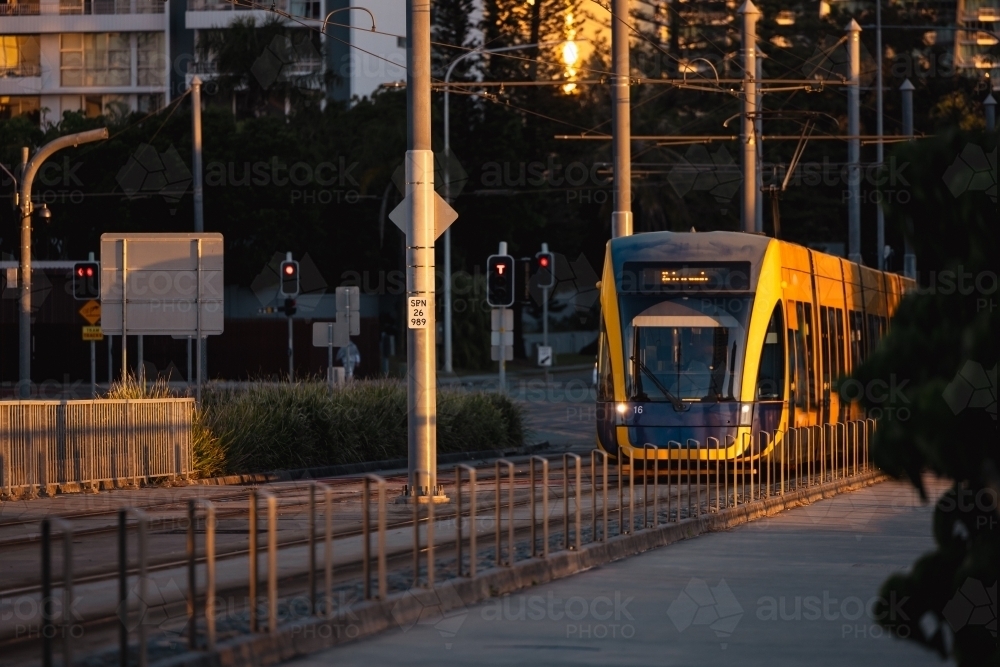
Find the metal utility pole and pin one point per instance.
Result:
(748, 212)
(199, 192)
(906, 90)
(879, 146)
(990, 106)
(421, 375)
(758, 126)
(621, 217)
(854, 144)
(29, 170)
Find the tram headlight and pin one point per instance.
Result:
(746, 414)
(622, 410)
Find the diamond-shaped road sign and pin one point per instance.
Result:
(444, 214)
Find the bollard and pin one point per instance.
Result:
(677, 449)
(143, 554)
(193, 505)
(645, 480)
(566, 543)
(252, 559)
(670, 473)
(272, 560)
(763, 443)
(327, 548)
(416, 539)
(510, 516)
(697, 511)
(366, 536)
(631, 495)
(545, 504)
(48, 631)
(472, 517)
(714, 448)
(594, 453)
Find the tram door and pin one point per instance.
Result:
(831, 324)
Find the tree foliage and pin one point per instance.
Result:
(941, 357)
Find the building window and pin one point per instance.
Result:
(152, 66)
(149, 103)
(93, 106)
(95, 59)
(19, 55)
(19, 105)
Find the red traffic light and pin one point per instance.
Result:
(543, 261)
(289, 268)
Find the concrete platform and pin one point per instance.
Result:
(793, 589)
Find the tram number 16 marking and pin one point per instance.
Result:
(418, 308)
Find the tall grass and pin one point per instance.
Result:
(261, 427)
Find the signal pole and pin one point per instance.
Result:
(621, 217)
(748, 213)
(854, 144)
(421, 375)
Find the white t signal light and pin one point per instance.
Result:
(289, 277)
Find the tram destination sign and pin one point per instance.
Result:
(685, 276)
(162, 284)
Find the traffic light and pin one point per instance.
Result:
(289, 307)
(289, 278)
(500, 281)
(86, 281)
(545, 269)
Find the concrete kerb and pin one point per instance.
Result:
(399, 609)
(300, 474)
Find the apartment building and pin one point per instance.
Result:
(116, 56)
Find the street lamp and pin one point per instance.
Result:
(448, 367)
(24, 203)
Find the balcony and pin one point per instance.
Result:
(21, 70)
(19, 9)
(303, 8)
(109, 7)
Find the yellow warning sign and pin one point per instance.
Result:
(93, 333)
(91, 312)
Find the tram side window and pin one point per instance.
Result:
(810, 356)
(797, 352)
(605, 387)
(824, 343)
(771, 372)
(841, 361)
(857, 324)
(874, 331)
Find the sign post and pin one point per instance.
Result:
(91, 312)
(502, 340)
(331, 335)
(162, 285)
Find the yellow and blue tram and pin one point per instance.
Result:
(708, 338)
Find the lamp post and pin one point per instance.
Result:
(31, 168)
(448, 349)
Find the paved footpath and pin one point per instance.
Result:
(794, 589)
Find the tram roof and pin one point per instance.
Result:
(689, 246)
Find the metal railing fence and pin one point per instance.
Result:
(50, 443)
(693, 483)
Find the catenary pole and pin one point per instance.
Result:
(879, 120)
(748, 212)
(854, 143)
(421, 376)
(621, 217)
